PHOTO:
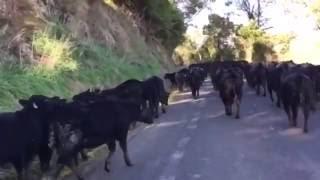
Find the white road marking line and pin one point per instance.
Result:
(177, 155)
(167, 178)
(184, 141)
(193, 126)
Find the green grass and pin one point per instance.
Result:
(65, 62)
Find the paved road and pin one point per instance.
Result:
(196, 141)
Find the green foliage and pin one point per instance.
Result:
(261, 50)
(55, 51)
(208, 49)
(186, 51)
(192, 7)
(76, 65)
(253, 43)
(251, 32)
(219, 27)
(219, 31)
(168, 20)
(282, 43)
(261, 44)
(101, 66)
(163, 17)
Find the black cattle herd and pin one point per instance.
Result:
(95, 117)
(294, 85)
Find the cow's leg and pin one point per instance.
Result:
(270, 93)
(278, 99)
(194, 93)
(180, 86)
(258, 89)
(163, 108)
(264, 89)
(306, 112)
(20, 171)
(154, 108)
(228, 110)
(294, 110)
(123, 145)
(45, 155)
(76, 159)
(287, 110)
(112, 149)
(227, 106)
(19, 167)
(237, 101)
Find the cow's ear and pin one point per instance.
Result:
(23, 102)
(35, 106)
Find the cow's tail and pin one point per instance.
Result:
(307, 92)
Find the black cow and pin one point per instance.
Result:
(25, 134)
(205, 66)
(229, 85)
(155, 93)
(203, 74)
(87, 96)
(172, 78)
(101, 122)
(258, 77)
(130, 89)
(181, 78)
(195, 79)
(274, 76)
(218, 65)
(297, 90)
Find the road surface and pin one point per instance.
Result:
(196, 141)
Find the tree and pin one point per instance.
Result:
(220, 31)
(315, 9)
(185, 53)
(192, 7)
(253, 42)
(254, 9)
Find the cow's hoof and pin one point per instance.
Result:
(156, 116)
(164, 111)
(305, 130)
(106, 167)
(237, 117)
(129, 164)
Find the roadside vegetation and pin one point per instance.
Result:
(64, 65)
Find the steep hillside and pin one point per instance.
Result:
(60, 47)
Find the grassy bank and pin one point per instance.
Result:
(65, 66)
